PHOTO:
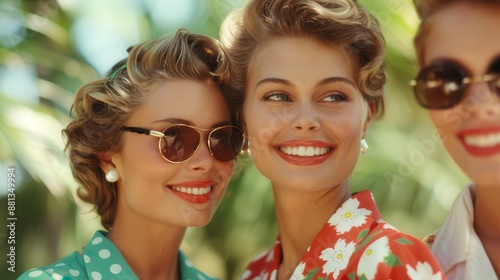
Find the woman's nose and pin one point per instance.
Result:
(306, 118)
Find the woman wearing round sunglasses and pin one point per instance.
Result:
(458, 49)
(153, 149)
(308, 79)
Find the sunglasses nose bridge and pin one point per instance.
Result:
(481, 83)
(204, 139)
(202, 158)
(217, 141)
(201, 142)
(477, 79)
(481, 100)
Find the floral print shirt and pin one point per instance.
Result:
(355, 243)
(101, 259)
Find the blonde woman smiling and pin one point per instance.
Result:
(153, 148)
(308, 81)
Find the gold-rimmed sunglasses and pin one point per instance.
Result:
(179, 142)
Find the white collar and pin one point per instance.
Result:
(457, 244)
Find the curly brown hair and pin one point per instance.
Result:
(103, 106)
(339, 23)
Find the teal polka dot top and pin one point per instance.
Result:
(101, 260)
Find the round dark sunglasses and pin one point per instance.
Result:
(179, 142)
(443, 84)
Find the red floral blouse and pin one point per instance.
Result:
(355, 243)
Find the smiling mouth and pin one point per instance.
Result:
(304, 151)
(483, 141)
(192, 191)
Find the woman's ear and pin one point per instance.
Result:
(372, 108)
(108, 167)
(240, 121)
(106, 161)
(243, 126)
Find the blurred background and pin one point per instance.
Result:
(48, 48)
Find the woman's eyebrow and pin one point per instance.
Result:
(321, 83)
(274, 81)
(336, 80)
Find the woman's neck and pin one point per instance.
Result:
(487, 222)
(300, 217)
(150, 249)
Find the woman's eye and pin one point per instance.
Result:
(277, 96)
(335, 97)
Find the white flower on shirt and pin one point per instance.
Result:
(246, 274)
(372, 256)
(337, 258)
(270, 256)
(423, 271)
(263, 276)
(348, 216)
(274, 274)
(388, 226)
(298, 273)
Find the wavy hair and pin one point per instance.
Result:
(102, 107)
(339, 23)
(425, 10)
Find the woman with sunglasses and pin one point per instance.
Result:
(458, 50)
(153, 149)
(308, 81)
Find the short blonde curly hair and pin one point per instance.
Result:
(102, 107)
(339, 23)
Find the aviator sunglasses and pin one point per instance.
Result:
(443, 84)
(179, 142)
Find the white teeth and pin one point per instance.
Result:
(488, 140)
(193, 191)
(305, 151)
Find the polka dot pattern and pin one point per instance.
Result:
(99, 260)
(115, 268)
(97, 240)
(96, 275)
(104, 254)
(189, 263)
(35, 273)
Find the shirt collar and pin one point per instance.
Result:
(101, 257)
(187, 269)
(362, 201)
(452, 239)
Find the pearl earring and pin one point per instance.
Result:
(364, 146)
(246, 148)
(249, 151)
(112, 176)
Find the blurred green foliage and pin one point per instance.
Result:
(46, 54)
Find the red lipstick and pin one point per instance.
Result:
(481, 142)
(304, 152)
(197, 192)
